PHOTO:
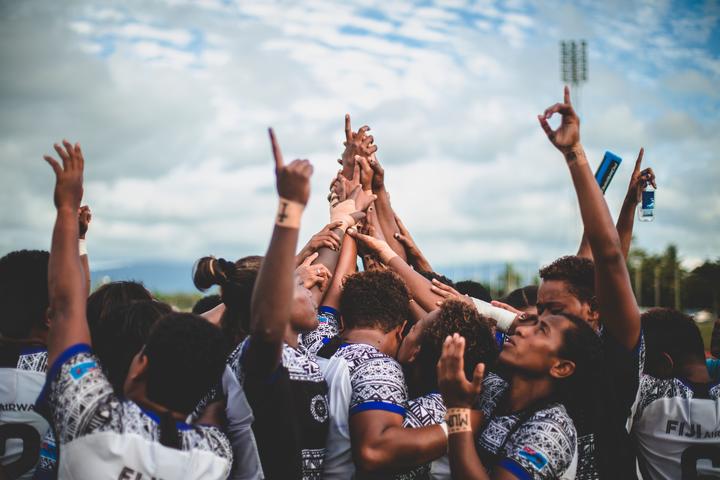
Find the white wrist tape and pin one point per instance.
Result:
(503, 318)
(341, 213)
(82, 246)
(289, 213)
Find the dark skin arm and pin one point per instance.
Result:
(457, 392)
(84, 218)
(273, 293)
(385, 213)
(616, 301)
(347, 265)
(626, 218)
(419, 286)
(380, 443)
(66, 281)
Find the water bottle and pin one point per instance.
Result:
(647, 204)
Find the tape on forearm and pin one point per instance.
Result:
(289, 213)
(458, 420)
(82, 246)
(340, 212)
(503, 318)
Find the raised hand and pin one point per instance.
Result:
(293, 180)
(366, 173)
(378, 179)
(355, 144)
(639, 179)
(449, 293)
(84, 218)
(567, 135)
(69, 176)
(456, 390)
(375, 246)
(309, 275)
(414, 255)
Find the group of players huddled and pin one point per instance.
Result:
(306, 367)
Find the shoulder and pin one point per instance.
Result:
(493, 387)
(426, 410)
(300, 364)
(209, 438)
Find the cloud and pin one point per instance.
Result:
(171, 101)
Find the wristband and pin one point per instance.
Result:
(340, 212)
(289, 213)
(458, 420)
(502, 317)
(82, 246)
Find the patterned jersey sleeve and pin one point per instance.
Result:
(543, 447)
(74, 389)
(378, 383)
(328, 327)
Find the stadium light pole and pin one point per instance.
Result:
(574, 67)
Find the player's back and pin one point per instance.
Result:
(22, 375)
(677, 429)
(100, 435)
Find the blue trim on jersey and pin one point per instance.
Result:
(31, 350)
(515, 468)
(326, 309)
(388, 407)
(154, 417)
(55, 369)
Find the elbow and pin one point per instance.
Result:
(370, 459)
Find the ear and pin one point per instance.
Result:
(399, 331)
(594, 313)
(138, 367)
(664, 366)
(562, 368)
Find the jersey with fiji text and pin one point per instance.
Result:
(288, 413)
(360, 378)
(676, 425)
(102, 436)
(328, 327)
(539, 445)
(423, 412)
(22, 375)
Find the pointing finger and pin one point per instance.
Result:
(276, 150)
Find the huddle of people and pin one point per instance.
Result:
(308, 367)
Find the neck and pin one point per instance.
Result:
(695, 372)
(525, 391)
(368, 336)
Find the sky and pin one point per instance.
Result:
(171, 100)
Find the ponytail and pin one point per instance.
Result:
(168, 431)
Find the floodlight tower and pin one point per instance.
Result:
(574, 67)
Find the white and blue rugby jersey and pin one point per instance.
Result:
(359, 378)
(22, 375)
(423, 412)
(328, 327)
(539, 445)
(102, 436)
(676, 425)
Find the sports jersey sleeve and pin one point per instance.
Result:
(47, 466)
(543, 447)
(378, 384)
(328, 327)
(75, 387)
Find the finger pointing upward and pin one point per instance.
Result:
(276, 150)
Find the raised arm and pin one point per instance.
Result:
(66, 284)
(347, 264)
(626, 218)
(385, 213)
(415, 256)
(84, 218)
(618, 310)
(273, 294)
(419, 286)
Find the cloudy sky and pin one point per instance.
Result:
(171, 99)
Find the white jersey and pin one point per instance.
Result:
(677, 429)
(101, 436)
(328, 327)
(422, 412)
(359, 378)
(22, 375)
(537, 444)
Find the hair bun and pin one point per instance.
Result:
(209, 271)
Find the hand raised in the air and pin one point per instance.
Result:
(84, 219)
(68, 176)
(456, 391)
(639, 179)
(293, 180)
(567, 135)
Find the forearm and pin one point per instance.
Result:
(272, 296)
(625, 223)
(66, 287)
(398, 448)
(419, 286)
(386, 219)
(329, 258)
(584, 250)
(86, 273)
(417, 312)
(464, 460)
(346, 265)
